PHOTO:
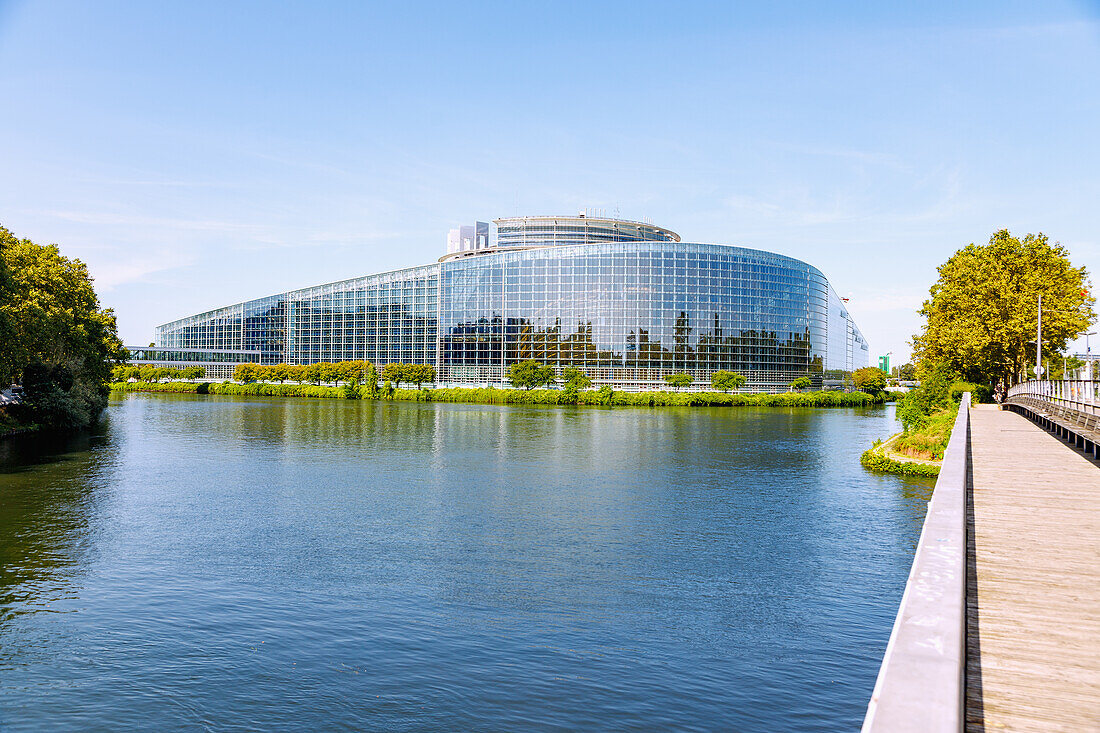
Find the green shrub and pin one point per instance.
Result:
(978, 392)
(874, 460)
(605, 395)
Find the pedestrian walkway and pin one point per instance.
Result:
(1033, 595)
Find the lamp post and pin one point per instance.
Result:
(1088, 352)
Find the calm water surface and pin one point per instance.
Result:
(253, 564)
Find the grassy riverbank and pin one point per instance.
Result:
(884, 458)
(495, 396)
(916, 451)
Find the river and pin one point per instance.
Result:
(275, 564)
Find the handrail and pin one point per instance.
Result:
(921, 684)
(1082, 395)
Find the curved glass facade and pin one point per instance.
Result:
(628, 313)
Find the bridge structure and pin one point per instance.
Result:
(999, 625)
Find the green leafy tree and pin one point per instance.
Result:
(280, 372)
(676, 381)
(351, 389)
(530, 373)
(906, 372)
(725, 380)
(869, 379)
(394, 373)
(981, 316)
(313, 373)
(8, 367)
(1064, 366)
(932, 396)
(50, 318)
(330, 373)
(418, 374)
(370, 380)
(245, 373)
(575, 379)
(803, 383)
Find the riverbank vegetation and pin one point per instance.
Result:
(978, 336)
(982, 312)
(531, 380)
(927, 415)
(878, 458)
(492, 395)
(150, 373)
(55, 339)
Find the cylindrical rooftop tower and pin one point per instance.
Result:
(542, 231)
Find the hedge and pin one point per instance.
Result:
(495, 396)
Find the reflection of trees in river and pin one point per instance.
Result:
(49, 495)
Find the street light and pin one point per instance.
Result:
(1088, 352)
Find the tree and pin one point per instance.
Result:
(313, 373)
(280, 372)
(245, 373)
(869, 379)
(394, 373)
(419, 373)
(50, 318)
(933, 395)
(726, 380)
(804, 383)
(330, 373)
(1064, 366)
(296, 373)
(905, 372)
(530, 373)
(351, 389)
(982, 313)
(679, 380)
(575, 379)
(370, 380)
(7, 332)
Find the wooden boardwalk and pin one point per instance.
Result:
(1033, 596)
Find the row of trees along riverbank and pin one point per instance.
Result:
(492, 395)
(978, 336)
(364, 380)
(523, 375)
(55, 339)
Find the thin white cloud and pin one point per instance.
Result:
(885, 301)
(110, 274)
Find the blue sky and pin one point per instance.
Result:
(197, 154)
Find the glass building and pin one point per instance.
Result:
(626, 302)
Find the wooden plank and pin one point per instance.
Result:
(1033, 586)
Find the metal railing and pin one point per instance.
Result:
(1082, 395)
(921, 684)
